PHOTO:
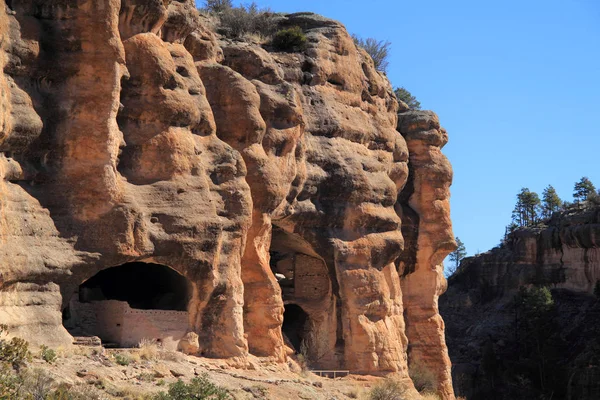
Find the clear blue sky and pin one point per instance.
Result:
(515, 83)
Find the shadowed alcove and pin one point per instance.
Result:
(125, 304)
(310, 317)
(143, 286)
(294, 325)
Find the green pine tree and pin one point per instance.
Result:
(550, 202)
(456, 256)
(404, 95)
(526, 209)
(583, 190)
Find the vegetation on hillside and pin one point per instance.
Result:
(251, 20)
(410, 100)
(242, 21)
(530, 358)
(200, 388)
(290, 39)
(530, 210)
(379, 51)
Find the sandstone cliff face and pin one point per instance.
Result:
(562, 255)
(269, 180)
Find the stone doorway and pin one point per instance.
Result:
(124, 305)
(294, 326)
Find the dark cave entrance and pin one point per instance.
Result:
(295, 325)
(124, 305)
(143, 286)
(306, 291)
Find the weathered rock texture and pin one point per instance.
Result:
(129, 133)
(563, 255)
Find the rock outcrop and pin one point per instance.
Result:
(304, 213)
(564, 253)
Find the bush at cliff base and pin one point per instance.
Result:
(200, 388)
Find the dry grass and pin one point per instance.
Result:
(168, 355)
(388, 389)
(423, 379)
(149, 349)
(257, 38)
(84, 351)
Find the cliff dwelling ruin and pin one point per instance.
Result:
(125, 304)
(269, 185)
(308, 298)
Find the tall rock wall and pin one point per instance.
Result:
(130, 133)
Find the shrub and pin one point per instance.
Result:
(410, 100)
(423, 379)
(14, 351)
(388, 389)
(47, 354)
(243, 20)
(123, 359)
(38, 385)
(200, 388)
(218, 6)
(378, 50)
(290, 39)
(11, 383)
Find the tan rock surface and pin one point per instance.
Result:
(421, 266)
(273, 182)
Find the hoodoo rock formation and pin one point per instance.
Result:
(303, 213)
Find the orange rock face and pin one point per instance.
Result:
(304, 214)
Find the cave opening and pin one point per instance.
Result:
(125, 304)
(143, 286)
(295, 325)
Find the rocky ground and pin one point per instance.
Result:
(100, 372)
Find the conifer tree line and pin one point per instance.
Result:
(531, 209)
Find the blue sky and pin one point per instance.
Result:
(515, 83)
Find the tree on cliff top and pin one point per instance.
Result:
(550, 202)
(526, 209)
(456, 256)
(410, 100)
(583, 190)
(377, 49)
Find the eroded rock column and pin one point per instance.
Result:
(423, 282)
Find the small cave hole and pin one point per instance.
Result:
(183, 71)
(336, 80)
(171, 84)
